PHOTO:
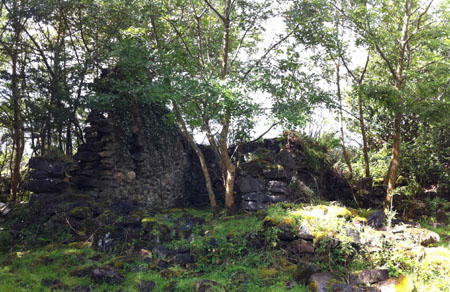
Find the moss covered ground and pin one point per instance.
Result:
(232, 253)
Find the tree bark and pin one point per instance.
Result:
(18, 137)
(364, 136)
(344, 149)
(395, 162)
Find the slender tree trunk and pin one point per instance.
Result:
(399, 78)
(395, 162)
(364, 137)
(201, 157)
(18, 138)
(229, 189)
(69, 147)
(344, 149)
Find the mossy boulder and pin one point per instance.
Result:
(83, 271)
(322, 282)
(107, 275)
(424, 237)
(400, 284)
(304, 272)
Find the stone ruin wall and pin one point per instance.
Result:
(141, 175)
(110, 170)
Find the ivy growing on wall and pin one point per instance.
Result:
(127, 91)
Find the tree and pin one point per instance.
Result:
(12, 44)
(201, 46)
(409, 39)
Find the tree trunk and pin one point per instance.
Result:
(395, 162)
(201, 157)
(69, 147)
(344, 149)
(17, 131)
(364, 137)
(229, 189)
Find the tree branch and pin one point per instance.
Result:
(215, 11)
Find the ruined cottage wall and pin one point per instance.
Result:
(113, 169)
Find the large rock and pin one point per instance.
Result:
(146, 286)
(424, 237)
(322, 282)
(301, 246)
(86, 156)
(273, 199)
(92, 147)
(276, 173)
(287, 159)
(252, 205)
(305, 230)
(400, 284)
(279, 187)
(304, 272)
(84, 181)
(376, 219)
(39, 174)
(338, 287)
(370, 276)
(251, 185)
(47, 185)
(54, 169)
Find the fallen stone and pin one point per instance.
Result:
(322, 282)
(367, 289)
(183, 259)
(81, 271)
(159, 264)
(304, 231)
(353, 234)
(424, 237)
(376, 219)
(304, 272)
(205, 285)
(81, 288)
(146, 286)
(400, 284)
(302, 246)
(162, 251)
(338, 287)
(369, 276)
(107, 275)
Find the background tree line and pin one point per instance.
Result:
(207, 60)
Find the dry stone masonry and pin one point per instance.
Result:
(108, 169)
